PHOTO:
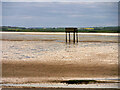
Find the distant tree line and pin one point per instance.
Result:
(88, 29)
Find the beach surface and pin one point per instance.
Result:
(44, 61)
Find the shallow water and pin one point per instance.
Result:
(59, 37)
(102, 85)
(34, 49)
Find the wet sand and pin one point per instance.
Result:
(58, 37)
(46, 61)
(57, 33)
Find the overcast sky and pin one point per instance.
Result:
(60, 0)
(60, 14)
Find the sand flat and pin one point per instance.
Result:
(71, 62)
(45, 61)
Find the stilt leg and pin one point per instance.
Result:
(66, 37)
(69, 36)
(77, 36)
(74, 37)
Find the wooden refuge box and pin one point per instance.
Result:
(74, 31)
(71, 30)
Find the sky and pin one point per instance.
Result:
(59, 14)
(60, 0)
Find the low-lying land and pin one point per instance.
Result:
(61, 29)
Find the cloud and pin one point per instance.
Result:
(59, 13)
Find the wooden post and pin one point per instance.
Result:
(69, 36)
(77, 36)
(74, 36)
(66, 37)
